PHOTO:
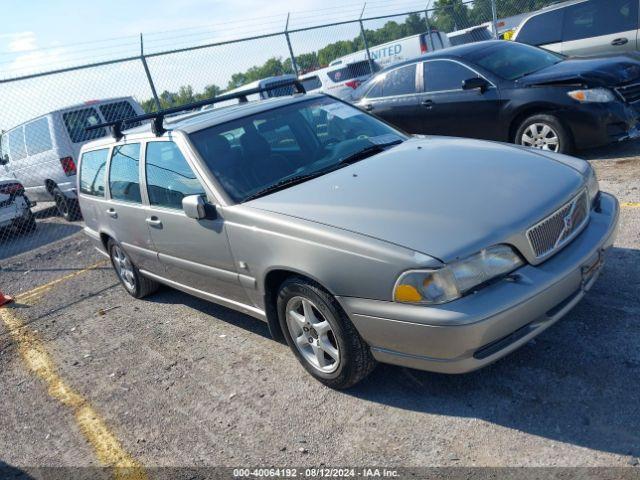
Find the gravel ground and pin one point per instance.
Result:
(182, 382)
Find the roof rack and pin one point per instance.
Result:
(157, 118)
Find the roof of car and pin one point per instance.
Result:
(459, 51)
(200, 119)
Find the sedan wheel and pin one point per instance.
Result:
(312, 335)
(541, 136)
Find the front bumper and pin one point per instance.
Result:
(478, 329)
(597, 124)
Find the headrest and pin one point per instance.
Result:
(255, 145)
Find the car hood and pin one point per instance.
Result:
(593, 72)
(439, 196)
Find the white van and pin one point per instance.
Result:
(263, 83)
(42, 153)
(399, 50)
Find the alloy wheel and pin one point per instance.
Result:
(312, 335)
(124, 267)
(542, 136)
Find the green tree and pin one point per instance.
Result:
(450, 15)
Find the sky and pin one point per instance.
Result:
(39, 35)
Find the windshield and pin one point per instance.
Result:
(298, 141)
(514, 60)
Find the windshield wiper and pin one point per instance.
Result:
(367, 152)
(282, 184)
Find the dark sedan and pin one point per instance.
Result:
(510, 92)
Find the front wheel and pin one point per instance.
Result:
(321, 336)
(544, 132)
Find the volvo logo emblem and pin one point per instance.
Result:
(568, 222)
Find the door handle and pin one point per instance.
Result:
(368, 107)
(620, 41)
(154, 221)
(427, 104)
(112, 213)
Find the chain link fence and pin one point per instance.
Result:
(43, 114)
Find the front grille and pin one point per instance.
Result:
(552, 233)
(629, 93)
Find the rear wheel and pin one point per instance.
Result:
(544, 132)
(68, 208)
(132, 280)
(321, 336)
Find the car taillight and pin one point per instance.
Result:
(353, 84)
(423, 45)
(11, 188)
(68, 165)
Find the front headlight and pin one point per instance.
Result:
(592, 185)
(431, 287)
(592, 95)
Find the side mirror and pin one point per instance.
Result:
(475, 83)
(196, 207)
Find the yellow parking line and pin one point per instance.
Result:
(106, 446)
(630, 205)
(40, 290)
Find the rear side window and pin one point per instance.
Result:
(169, 177)
(37, 136)
(542, 29)
(401, 81)
(124, 173)
(119, 111)
(93, 172)
(77, 121)
(444, 76)
(16, 144)
(599, 17)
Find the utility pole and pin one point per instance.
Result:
(494, 13)
(149, 78)
(426, 20)
(293, 57)
(364, 39)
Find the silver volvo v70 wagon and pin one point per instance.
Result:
(355, 242)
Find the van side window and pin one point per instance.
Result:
(542, 29)
(37, 136)
(124, 173)
(119, 111)
(77, 121)
(596, 18)
(169, 177)
(16, 144)
(93, 172)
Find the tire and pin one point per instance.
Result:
(136, 284)
(28, 224)
(68, 208)
(350, 360)
(541, 131)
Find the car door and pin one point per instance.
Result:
(394, 97)
(600, 27)
(124, 214)
(450, 110)
(195, 253)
